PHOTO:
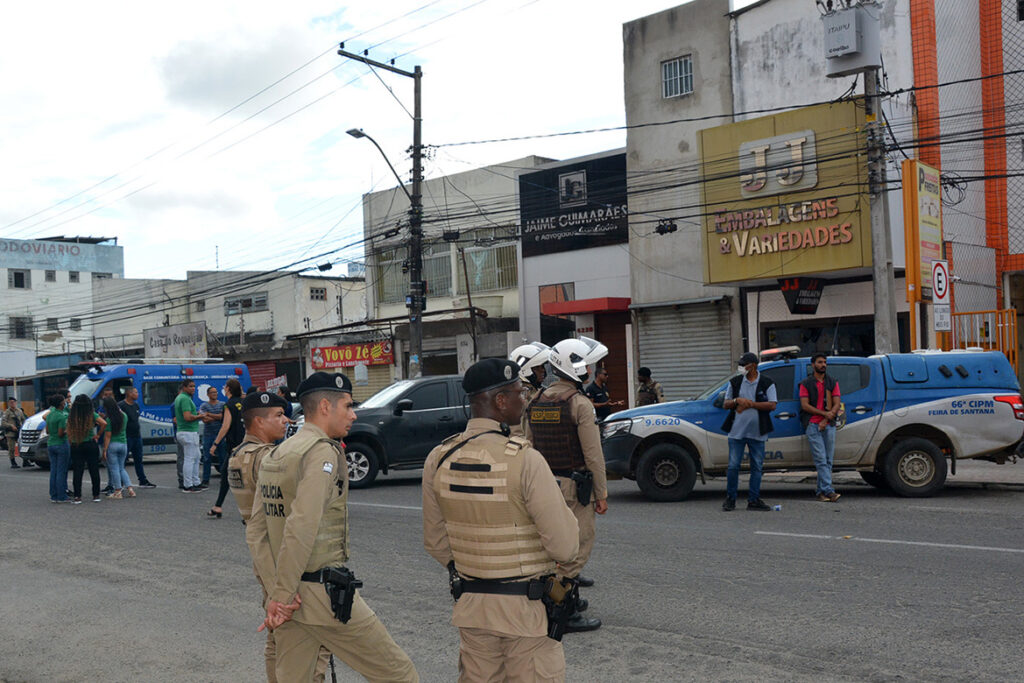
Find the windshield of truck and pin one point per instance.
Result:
(386, 395)
(85, 384)
(711, 390)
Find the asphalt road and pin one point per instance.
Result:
(872, 588)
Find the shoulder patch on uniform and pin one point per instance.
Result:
(328, 467)
(519, 441)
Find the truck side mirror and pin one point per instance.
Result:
(402, 406)
(719, 400)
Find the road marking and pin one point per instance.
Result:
(384, 505)
(928, 544)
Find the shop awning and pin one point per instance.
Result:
(599, 305)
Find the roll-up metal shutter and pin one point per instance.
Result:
(686, 346)
(378, 377)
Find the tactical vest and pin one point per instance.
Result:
(490, 531)
(554, 432)
(647, 394)
(278, 480)
(243, 470)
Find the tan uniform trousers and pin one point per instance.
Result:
(364, 644)
(323, 659)
(585, 517)
(490, 657)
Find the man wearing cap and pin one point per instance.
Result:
(298, 537)
(12, 420)
(265, 423)
(493, 513)
(749, 398)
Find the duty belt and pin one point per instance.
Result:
(565, 473)
(532, 589)
(319, 576)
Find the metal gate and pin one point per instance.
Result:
(989, 330)
(686, 346)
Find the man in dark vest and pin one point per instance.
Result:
(819, 406)
(563, 427)
(749, 398)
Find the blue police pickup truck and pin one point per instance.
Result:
(905, 416)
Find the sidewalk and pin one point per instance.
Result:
(969, 474)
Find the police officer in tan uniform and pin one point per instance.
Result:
(531, 359)
(493, 513)
(562, 425)
(265, 423)
(298, 536)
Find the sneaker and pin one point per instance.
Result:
(758, 504)
(76, 501)
(185, 489)
(109, 489)
(833, 497)
(147, 485)
(205, 485)
(96, 499)
(729, 505)
(15, 466)
(823, 498)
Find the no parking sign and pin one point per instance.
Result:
(940, 296)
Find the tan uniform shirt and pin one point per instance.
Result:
(281, 575)
(13, 419)
(559, 532)
(250, 445)
(585, 418)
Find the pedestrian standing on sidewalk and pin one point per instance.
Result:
(749, 398)
(13, 418)
(83, 421)
(186, 417)
(57, 449)
(819, 406)
(211, 412)
(115, 451)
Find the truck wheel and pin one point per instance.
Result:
(666, 472)
(362, 465)
(915, 468)
(876, 479)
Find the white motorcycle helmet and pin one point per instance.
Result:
(570, 357)
(528, 357)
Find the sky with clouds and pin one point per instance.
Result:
(206, 134)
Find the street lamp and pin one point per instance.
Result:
(358, 133)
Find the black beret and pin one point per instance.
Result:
(324, 381)
(262, 399)
(488, 374)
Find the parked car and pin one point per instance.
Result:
(906, 415)
(158, 385)
(398, 426)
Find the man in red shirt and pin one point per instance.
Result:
(819, 405)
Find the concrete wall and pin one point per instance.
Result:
(663, 162)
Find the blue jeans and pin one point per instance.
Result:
(755, 450)
(117, 475)
(823, 450)
(217, 460)
(60, 455)
(135, 450)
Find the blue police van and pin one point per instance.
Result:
(908, 419)
(157, 384)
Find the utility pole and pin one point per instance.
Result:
(416, 299)
(884, 279)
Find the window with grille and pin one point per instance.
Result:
(102, 276)
(489, 268)
(51, 324)
(51, 276)
(75, 324)
(72, 276)
(19, 279)
(20, 327)
(318, 294)
(393, 285)
(201, 305)
(250, 303)
(677, 77)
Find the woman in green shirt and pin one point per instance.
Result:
(115, 450)
(57, 449)
(81, 429)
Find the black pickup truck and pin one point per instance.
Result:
(398, 426)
